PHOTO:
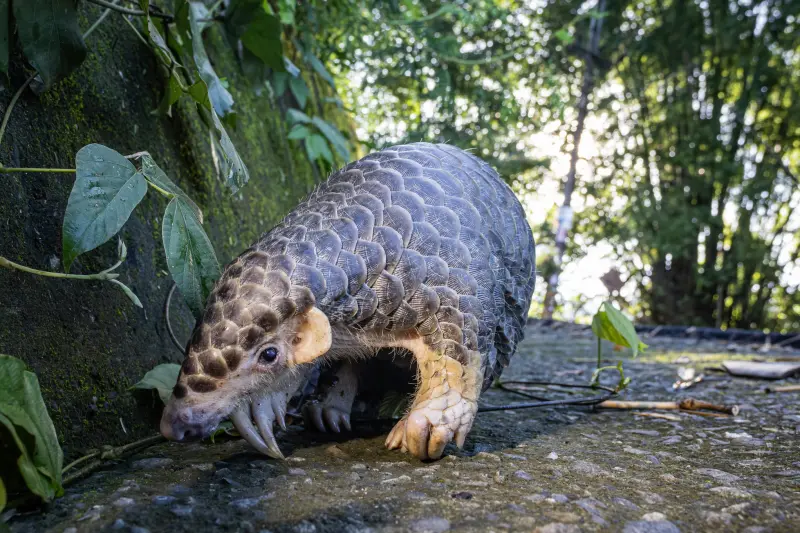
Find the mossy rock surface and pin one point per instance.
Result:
(85, 340)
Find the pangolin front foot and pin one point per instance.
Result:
(332, 411)
(445, 404)
(431, 424)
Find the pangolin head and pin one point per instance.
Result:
(257, 328)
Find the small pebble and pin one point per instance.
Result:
(643, 526)
(396, 480)
(163, 500)
(429, 525)
(124, 502)
(119, 523)
(297, 472)
(552, 456)
(151, 463)
(462, 495)
(557, 527)
(182, 510)
(521, 474)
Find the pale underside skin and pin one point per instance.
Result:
(443, 409)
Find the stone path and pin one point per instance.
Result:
(555, 470)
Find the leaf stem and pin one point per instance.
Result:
(599, 352)
(8, 170)
(13, 102)
(128, 11)
(159, 189)
(101, 276)
(108, 453)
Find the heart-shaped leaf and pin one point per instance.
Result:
(299, 132)
(299, 90)
(319, 68)
(162, 378)
(190, 256)
(50, 37)
(24, 415)
(263, 38)
(317, 147)
(610, 324)
(336, 139)
(107, 189)
(295, 116)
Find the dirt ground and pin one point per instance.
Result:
(556, 470)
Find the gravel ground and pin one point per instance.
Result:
(554, 470)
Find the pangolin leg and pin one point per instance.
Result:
(445, 404)
(332, 412)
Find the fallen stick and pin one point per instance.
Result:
(784, 388)
(689, 404)
(704, 413)
(665, 416)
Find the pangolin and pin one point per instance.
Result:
(419, 248)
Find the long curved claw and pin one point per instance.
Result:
(279, 408)
(264, 415)
(241, 420)
(331, 420)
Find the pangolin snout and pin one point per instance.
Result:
(175, 427)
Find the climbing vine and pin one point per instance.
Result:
(108, 186)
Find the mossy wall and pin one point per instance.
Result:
(85, 340)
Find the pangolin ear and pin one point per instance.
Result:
(313, 337)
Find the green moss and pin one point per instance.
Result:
(86, 342)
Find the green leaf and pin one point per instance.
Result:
(258, 29)
(564, 36)
(162, 378)
(279, 81)
(3, 495)
(199, 93)
(319, 68)
(50, 37)
(286, 9)
(153, 173)
(172, 94)
(299, 132)
(231, 166)
(336, 139)
(191, 27)
(295, 116)
(107, 188)
(128, 292)
(190, 255)
(610, 324)
(316, 147)
(299, 90)
(263, 39)
(5, 30)
(23, 413)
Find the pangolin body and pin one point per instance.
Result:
(420, 246)
(418, 236)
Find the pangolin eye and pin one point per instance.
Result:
(268, 354)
